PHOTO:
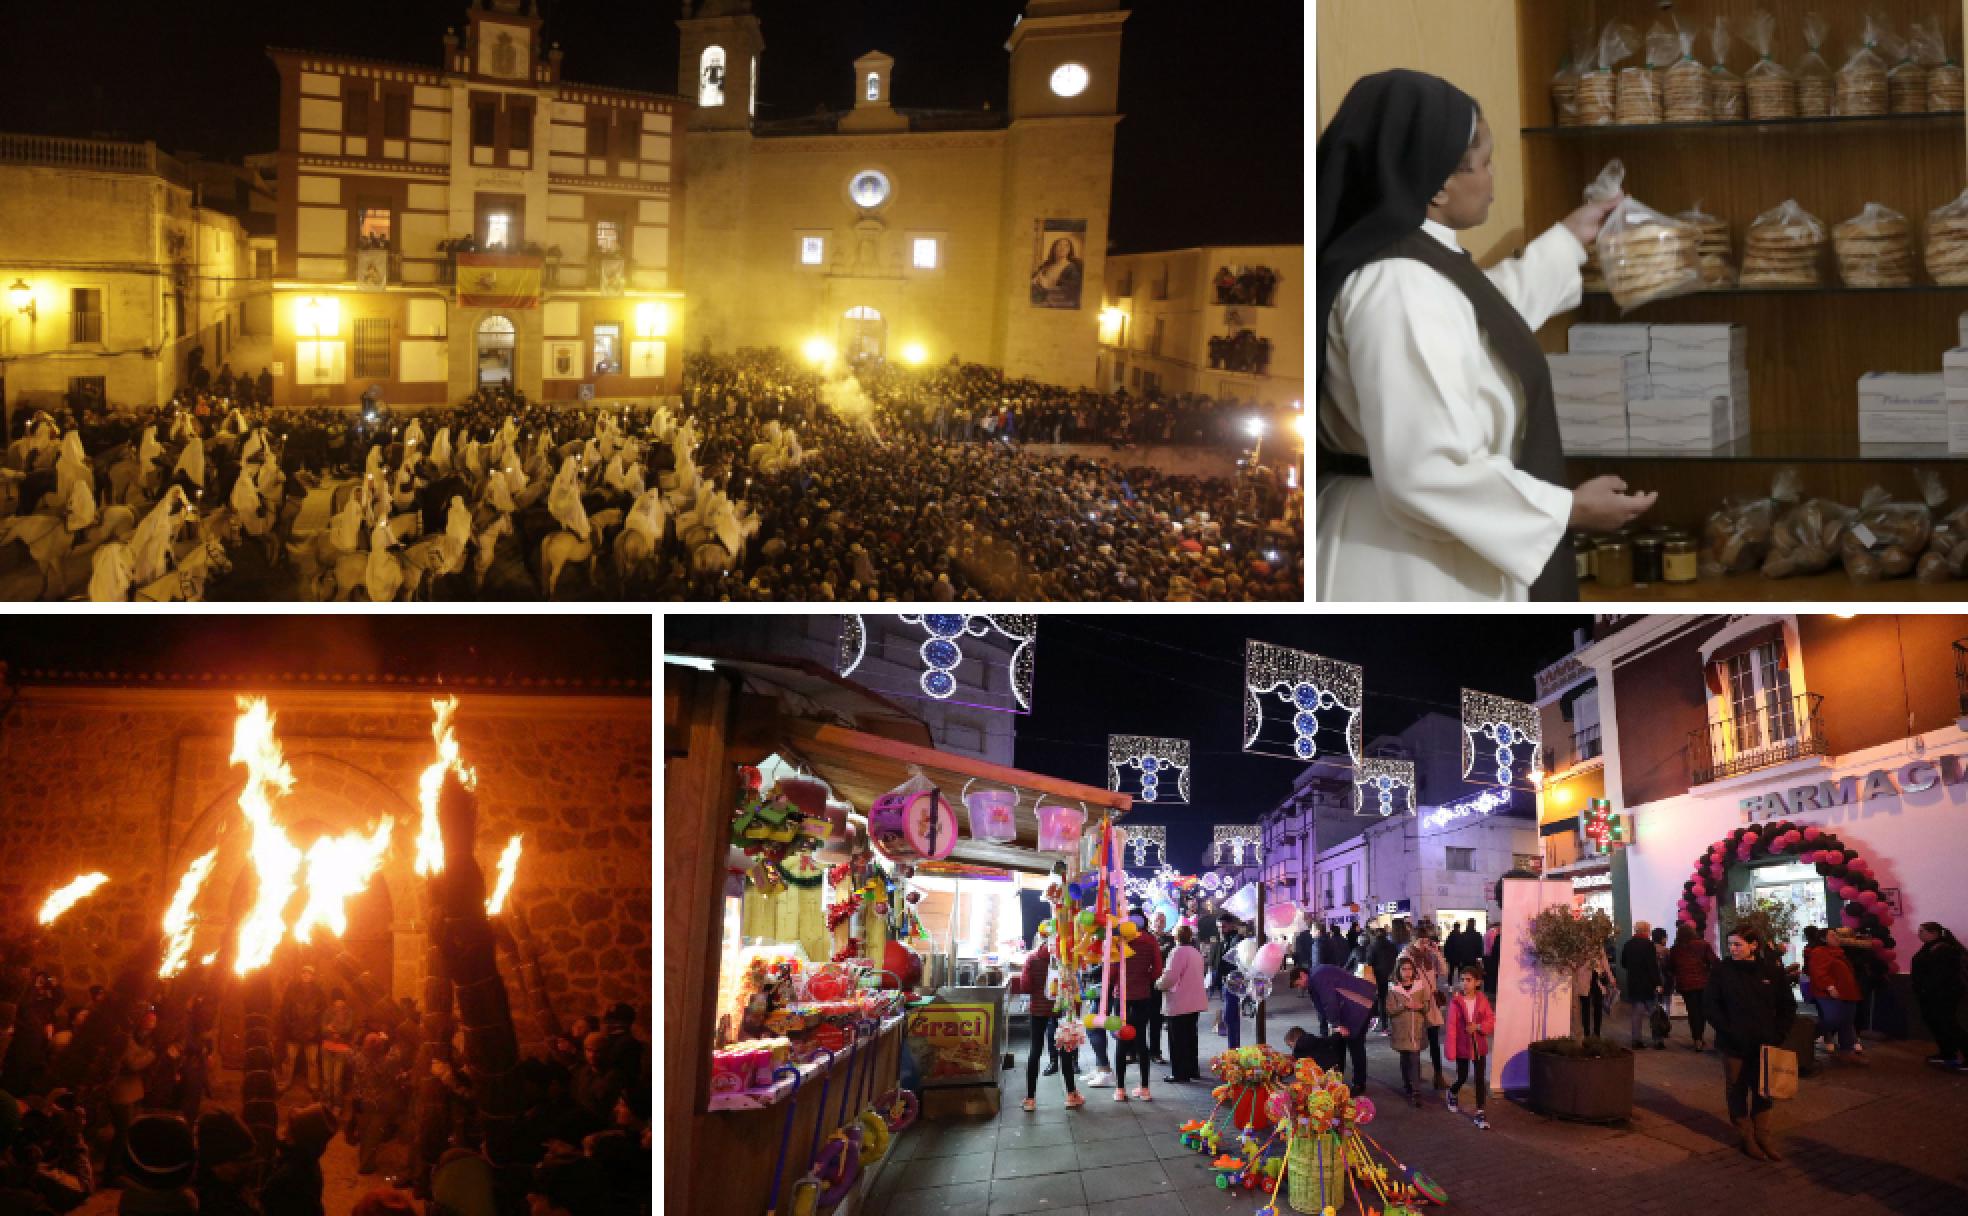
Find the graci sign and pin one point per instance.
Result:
(1913, 777)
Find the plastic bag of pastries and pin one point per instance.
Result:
(1947, 552)
(1874, 248)
(1906, 79)
(1888, 538)
(1944, 81)
(1725, 88)
(1806, 537)
(1859, 87)
(1598, 88)
(1784, 248)
(1813, 73)
(1684, 86)
(1564, 93)
(1947, 242)
(1736, 537)
(1771, 87)
(1711, 247)
(1643, 254)
(1638, 99)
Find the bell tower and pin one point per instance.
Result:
(717, 66)
(1066, 59)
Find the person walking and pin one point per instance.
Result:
(1164, 941)
(1643, 983)
(1226, 965)
(1183, 1000)
(1835, 991)
(1038, 969)
(1492, 960)
(301, 1007)
(1751, 1007)
(1689, 962)
(1940, 978)
(1140, 970)
(1433, 968)
(1472, 1022)
(1411, 1010)
(1383, 957)
(1596, 988)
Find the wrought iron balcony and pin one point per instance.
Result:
(1584, 744)
(1777, 730)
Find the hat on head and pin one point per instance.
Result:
(619, 1014)
(160, 1152)
(310, 1128)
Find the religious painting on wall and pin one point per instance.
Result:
(614, 276)
(372, 269)
(1058, 248)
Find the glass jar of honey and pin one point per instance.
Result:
(1613, 563)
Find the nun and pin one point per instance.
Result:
(1440, 475)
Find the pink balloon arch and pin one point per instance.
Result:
(1850, 875)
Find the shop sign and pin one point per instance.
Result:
(1392, 907)
(1880, 784)
(1591, 882)
(959, 1041)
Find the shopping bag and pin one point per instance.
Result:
(1658, 1022)
(1777, 1078)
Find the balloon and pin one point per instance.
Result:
(1128, 930)
(1852, 920)
(1236, 983)
(1835, 857)
(1848, 892)
(1868, 898)
(1114, 1025)
(1278, 1106)
(1260, 987)
(1813, 833)
(1363, 1110)
(1045, 928)
(1269, 957)
(1086, 919)
(1245, 952)
(1124, 1034)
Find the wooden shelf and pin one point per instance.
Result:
(1942, 121)
(1788, 448)
(758, 1099)
(1829, 289)
(1832, 586)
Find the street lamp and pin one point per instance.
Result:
(22, 298)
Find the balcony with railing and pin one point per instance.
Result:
(1584, 744)
(1776, 731)
(94, 155)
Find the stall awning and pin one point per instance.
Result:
(862, 767)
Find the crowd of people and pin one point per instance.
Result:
(1245, 285)
(138, 1113)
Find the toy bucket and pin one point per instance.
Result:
(913, 824)
(992, 814)
(1059, 828)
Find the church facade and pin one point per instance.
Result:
(906, 234)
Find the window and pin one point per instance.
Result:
(396, 116)
(608, 236)
(874, 86)
(263, 263)
(372, 348)
(1329, 889)
(1462, 861)
(1155, 339)
(869, 188)
(372, 228)
(607, 349)
(923, 252)
(597, 133)
(812, 250)
(1069, 80)
(710, 77)
(1760, 704)
(519, 128)
(498, 230)
(1349, 884)
(85, 314)
(483, 120)
(355, 112)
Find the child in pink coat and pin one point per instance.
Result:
(1472, 1023)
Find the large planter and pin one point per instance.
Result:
(1582, 1089)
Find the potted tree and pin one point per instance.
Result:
(1573, 1077)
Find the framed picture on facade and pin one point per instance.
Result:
(1890, 896)
(1058, 250)
(563, 360)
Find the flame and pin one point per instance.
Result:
(337, 868)
(430, 841)
(67, 897)
(508, 866)
(274, 857)
(211, 958)
(179, 923)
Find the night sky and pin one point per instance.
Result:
(1183, 677)
(1211, 150)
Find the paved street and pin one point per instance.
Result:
(1888, 1137)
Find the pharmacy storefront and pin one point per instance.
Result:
(1882, 829)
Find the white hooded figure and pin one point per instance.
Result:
(235, 423)
(272, 482)
(472, 458)
(440, 453)
(634, 485)
(564, 499)
(110, 574)
(413, 435)
(403, 486)
(79, 508)
(384, 574)
(615, 477)
(372, 464)
(649, 516)
(591, 457)
(498, 492)
(457, 532)
(345, 530)
(256, 446)
(246, 505)
(149, 452)
(180, 428)
(71, 466)
(150, 544)
(191, 462)
(542, 444)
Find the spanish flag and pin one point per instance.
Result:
(498, 280)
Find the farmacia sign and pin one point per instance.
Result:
(1914, 777)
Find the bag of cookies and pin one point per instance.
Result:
(1874, 248)
(1859, 88)
(1771, 87)
(1638, 99)
(1644, 255)
(1598, 89)
(1805, 538)
(1736, 537)
(1813, 73)
(1906, 79)
(1711, 247)
(1684, 87)
(1564, 94)
(1947, 552)
(1947, 242)
(1784, 248)
(1887, 538)
(1944, 87)
(1725, 88)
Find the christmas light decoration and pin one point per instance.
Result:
(1310, 685)
(941, 650)
(1384, 787)
(1140, 839)
(1238, 836)
(1494, 730)
(1154, 759)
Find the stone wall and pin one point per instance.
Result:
(136, 783)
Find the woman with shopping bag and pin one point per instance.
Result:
(1751, 1007)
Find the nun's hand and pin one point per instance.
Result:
(1603, 504)
(1587, 220)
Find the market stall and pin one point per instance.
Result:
(831, 885)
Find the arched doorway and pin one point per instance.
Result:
(863, 334)
(497, 341)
